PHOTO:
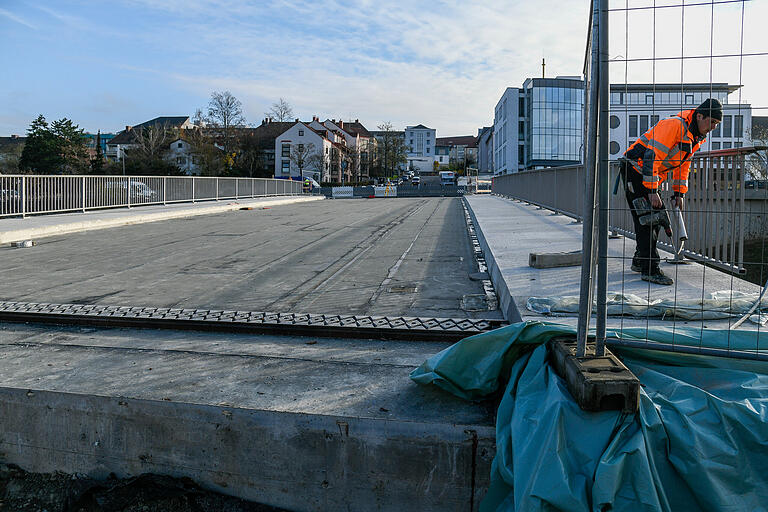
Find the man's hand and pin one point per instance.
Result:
(677, 202)
(655, 200)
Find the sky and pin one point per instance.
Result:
(441, 63)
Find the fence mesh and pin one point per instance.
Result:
(665, 58)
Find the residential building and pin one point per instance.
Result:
(637, 107)
(443, 155)
(462, 150)
(357, 140)
(127, 138)
(261, 141)
(420, 147)
(94, 139)
(485, 150)
(306, 151)
(181, 153)
(539, 125)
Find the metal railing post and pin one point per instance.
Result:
(23, 196)
(237, 188)
(217, 188)
(128, 191)
(193, 189)
(165, 187)
(83, 191)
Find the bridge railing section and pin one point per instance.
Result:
(716, 214)
(22, 195)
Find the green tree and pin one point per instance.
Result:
(41, 153)
(58, 148)
(72, 146)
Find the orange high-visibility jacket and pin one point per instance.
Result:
(667, 146)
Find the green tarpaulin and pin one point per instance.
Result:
(698, 442)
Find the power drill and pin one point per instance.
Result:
(649, 216)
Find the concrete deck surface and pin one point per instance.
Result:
(511, 230)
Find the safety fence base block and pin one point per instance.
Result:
(596, 383)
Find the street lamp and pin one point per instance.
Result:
(122, 158)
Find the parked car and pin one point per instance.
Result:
(415, 181)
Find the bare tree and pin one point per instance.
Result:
(757, 163)
(391, 150)
(225, 112)
(205, 154)
(304, 156)
(280, 111)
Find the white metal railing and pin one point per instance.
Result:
(22, 195)
(715, 210)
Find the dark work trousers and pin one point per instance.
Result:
(646, 256)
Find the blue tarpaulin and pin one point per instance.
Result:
(698, 442)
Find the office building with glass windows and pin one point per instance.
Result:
(637, 107)
(539, 125)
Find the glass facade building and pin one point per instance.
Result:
(555, 113)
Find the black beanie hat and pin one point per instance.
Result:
(710, 108)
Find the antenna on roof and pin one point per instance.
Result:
(542, 67)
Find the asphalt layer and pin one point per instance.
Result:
(393, 257)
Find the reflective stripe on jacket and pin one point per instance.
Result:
(667, 146)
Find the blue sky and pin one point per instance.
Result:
(440, 63)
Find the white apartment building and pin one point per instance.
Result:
(637, 107)
(301, 135)
(420, 147)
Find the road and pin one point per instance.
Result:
(394, 257)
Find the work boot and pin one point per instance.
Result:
(656, 276)
(636, 267)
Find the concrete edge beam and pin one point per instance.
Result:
(297, 461)
(596, 383)
(506, 302)
(131, 217)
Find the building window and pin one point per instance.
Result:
(726, 145)
(738, 126)
(181, 160)
(301, 133)
(180, 145)
(715, 145)
(643, 124)
(737, 144)
(689, 99)
(633, 126)
(521, 155)
(521, 130)
(654, 120)
(521, 107)
(716, 132)
(649, 99)
(615, 148)
(727, 126)
(615, 122)
(286, 166)
(301, 148)
(286, 150)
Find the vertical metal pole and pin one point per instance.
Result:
(128, 191)
(23, 196)
(217, 188)
(602, 161)
(193, 189)
(165, 184)
(83, 191)
(587, 236)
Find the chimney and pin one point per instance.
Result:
(14, 136)
(357, 121)
(297, 119)
(127, 128)
(341, 123)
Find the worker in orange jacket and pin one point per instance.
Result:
(666, 147)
